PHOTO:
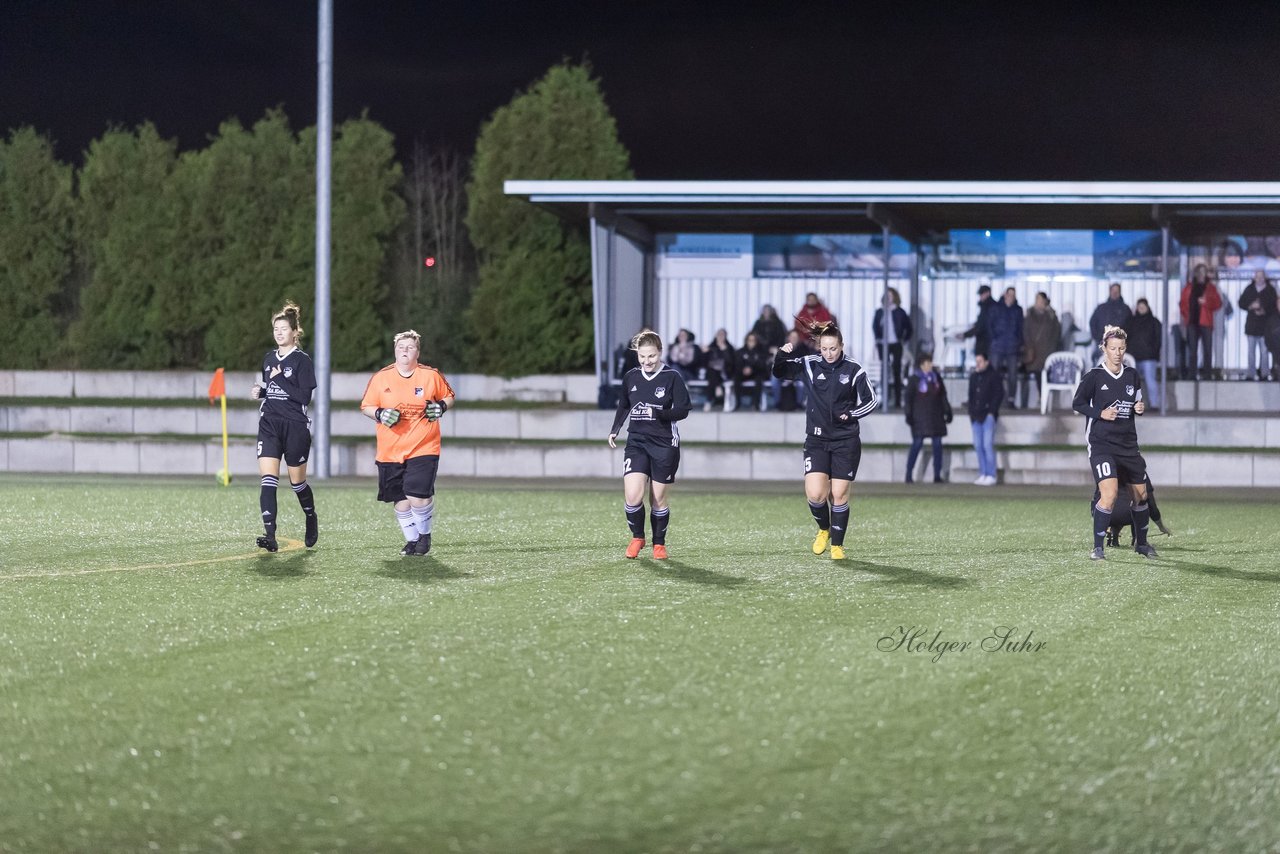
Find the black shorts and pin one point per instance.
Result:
(836, 458)
(413, 478)
(1128, 468)
(657, 458)
(278, 437)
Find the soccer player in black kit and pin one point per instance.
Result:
(284, 429)
(839, 394)
(1110, 396)
(655, 397)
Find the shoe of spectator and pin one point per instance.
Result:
(981, 481)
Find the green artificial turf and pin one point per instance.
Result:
(525, 688)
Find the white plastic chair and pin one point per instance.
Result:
(1061, 372)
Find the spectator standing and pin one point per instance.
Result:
(985, 396)
(812, 313)
(1112, 312)
(770, 329)
(1258, 301)
(1200, 300)
(1146, 333)
(1042, 333)
(1006, 342)
(897, 333)
(719, 359)
(980, 332)
(928, 413)
(754, 365)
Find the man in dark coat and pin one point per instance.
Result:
(1113, 312)
(1006, 342)
(899, 332)
(980, 332)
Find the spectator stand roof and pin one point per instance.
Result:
(625, 215)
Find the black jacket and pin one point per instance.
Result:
(1144, 331)
(980, 332)
(986, 393)
(901, 325)
(926, 406)
(839, 394)
(1255, 323)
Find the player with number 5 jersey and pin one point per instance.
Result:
(1110, 397)
(654, 397)
(839, 396)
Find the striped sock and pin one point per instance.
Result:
(659, 519)
(422, 517)
(821, 514)
(839, 522)
(635, 519)
(267, 501)
(407, 525)
(305, 497)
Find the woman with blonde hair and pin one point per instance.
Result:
(284, 386)
(654, 397)
(407, 400)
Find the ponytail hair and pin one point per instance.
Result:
(817, 331)
(646, 337)
(293, 316)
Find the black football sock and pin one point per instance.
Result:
(821, 514)
(839, 522)
(305, 497)
(635, 519)
(267, 501)
(1101, 521)
(659, 519)
(1141, 521)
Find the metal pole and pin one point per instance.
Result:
(1164, 349)
(324, 145)
(886, 376)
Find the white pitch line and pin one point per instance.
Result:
(287, 546)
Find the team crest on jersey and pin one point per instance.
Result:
(844, 379)
(1128, 390)
(288, 371)
(659, 392)
(417, 391)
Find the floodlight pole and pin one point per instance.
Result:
(1164, 345)
(324, 149)
(886, 375)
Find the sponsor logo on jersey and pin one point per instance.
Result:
(844, 379)
(659, 392)
(288, 371)
(1128, 390)
(417, 391)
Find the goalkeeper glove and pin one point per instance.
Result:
(387, 417)
(435, 409)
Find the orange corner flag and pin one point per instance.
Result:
(218, 386)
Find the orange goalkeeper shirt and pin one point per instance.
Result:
(413, 435)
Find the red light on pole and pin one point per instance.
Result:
(429, 261)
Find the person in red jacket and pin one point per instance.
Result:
(1200, 299)
(812, 313)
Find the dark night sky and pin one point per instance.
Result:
(700, 90)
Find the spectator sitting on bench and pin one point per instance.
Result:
(753, 370)
(684, 356)
(719, 359)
